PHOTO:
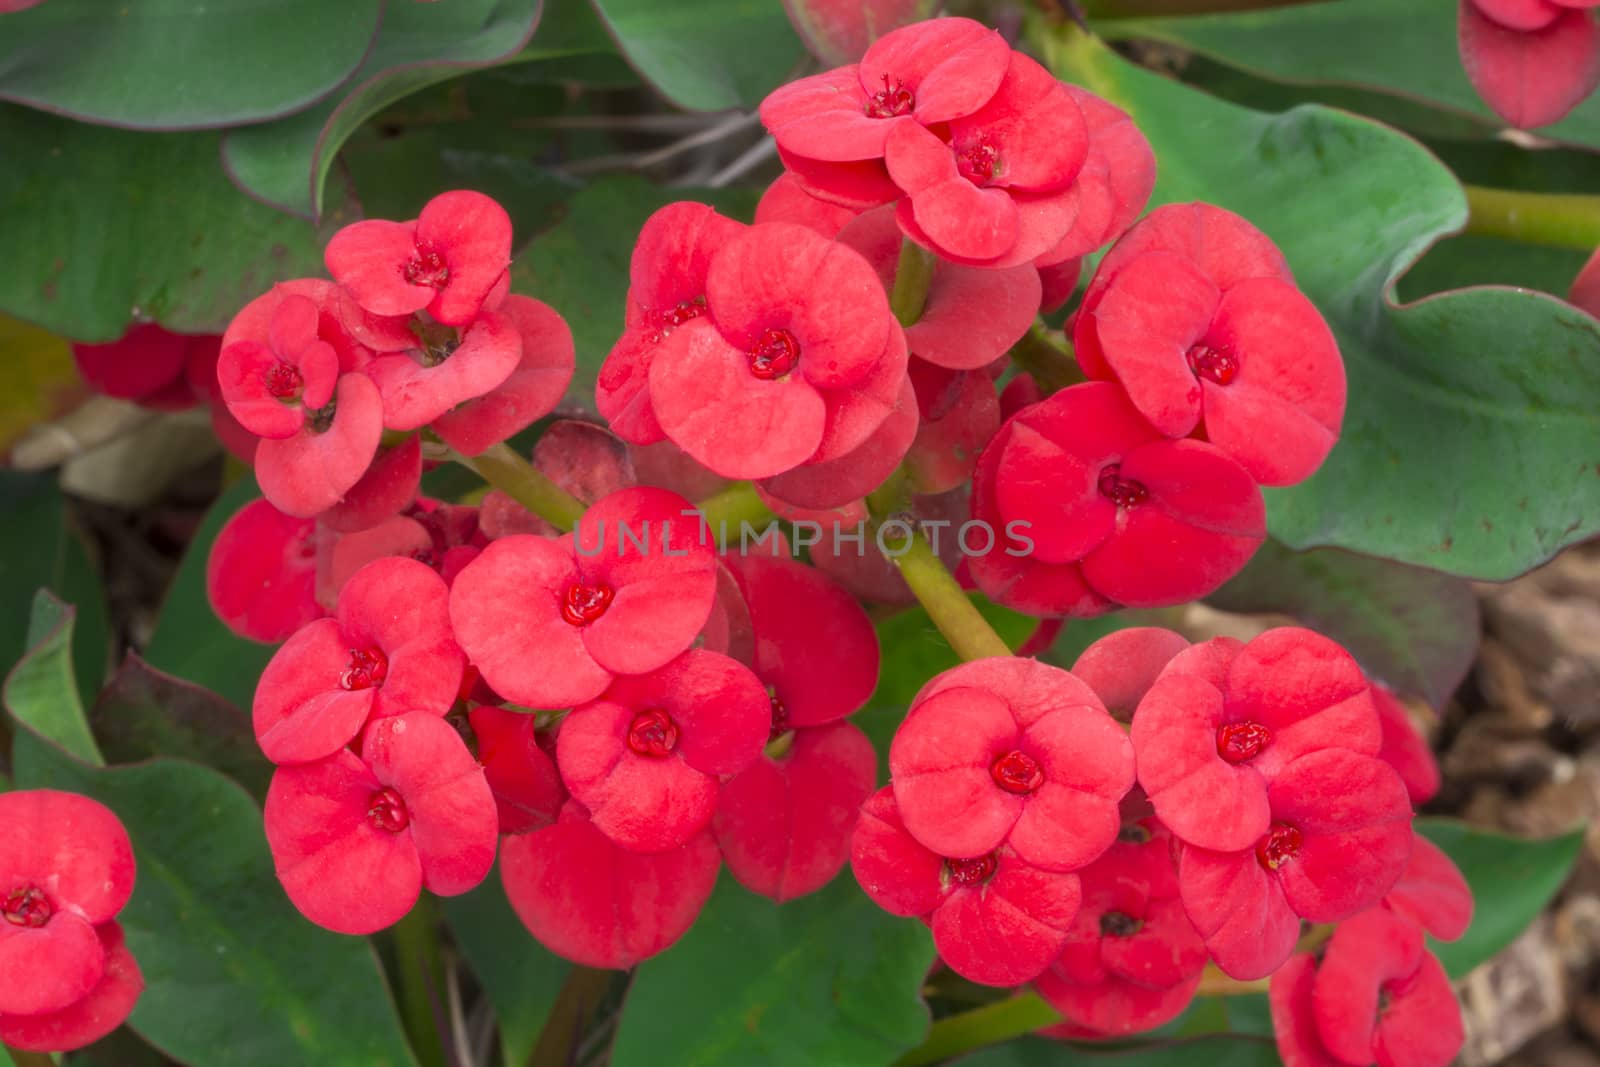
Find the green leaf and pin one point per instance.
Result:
(144, 712)
(39, 548)
(1512, 880)
(580, 267)
(189, 640)
(1470, 444)
(1405, 49)
(829, 978)
(420, 44)
(1414, 630)
(234, 976)
(912, 652)
(175, 64)
(522, 977)
(1204, 1052)
(706, 55)
(41, 692)
(103, 226)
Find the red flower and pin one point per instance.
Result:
(1210, 747)
(1532, 61)
(799, 359)
(261, 575)
(1196, 314)
(1404, 747)
(666, 289)
(1122, 666)
(1142, 520)
(1011, 751)
(387, 650)
(274, 387)
(549, 622)
(1377, 996)
(925, 74)
(997, 189)
(786, 200)
(389, 486)
(1432, 892)
(356, 838)
(1339, 839)
(152, 366)
(527, 788)
(532, 391)
(996, 920)
(1118, 176)
(586, 898)
(92, 1016)
(66, 868)
(645, 759)
(424, 372)
(784, 822)
(446, 262)
(1132, 961)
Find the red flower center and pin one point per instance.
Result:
(652, 733)
(1213, 364)
(284, 381)
(971, 872)
(775, 354)
(1133, 833)
(386, 810)
(979, 163)
(583, 604)
(1240, 741)
(27, 906)
(367, 669)
(681, 313)
(1119, 924)
(1017, 772)
(1281, 845)
(892, 101)
(426, 267)
(1123, 492)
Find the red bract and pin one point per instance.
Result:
(1122, 666)
(1404, 747)
(814, 647)
(784, 822)
(666, 289)
(311, 471)
(356, 838)
(1143, 520)
(1210, 748)
(387, 650)
(1132, 961)
(1432, 892)
(996, 920)
(424, 372)
(66, 867)
(1376, 997)
(586, 898)
(996, 190)
(1118, 176)
(153, 366)
(786, 200)
(970, 316)
(799, 359)
(1196, 315)
(1011, 751)
(1531, 62)
(446, 262)
(960, 414)
(925, 74)
(527, 788)
(646, 757)
(261, 575)
(91, 1017)
(1338, 840)
(274, 387)
(848, 478)
(550, 622)
(390, 485)
(533, 389)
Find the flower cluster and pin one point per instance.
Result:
(1250, 795)
(1532, 61)
(67, 978)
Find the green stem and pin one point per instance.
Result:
(1560, 219)
(501, 467)
(1048, 361)
(912, 276)
(569, 1019)
(727, 512)
(421, 980)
